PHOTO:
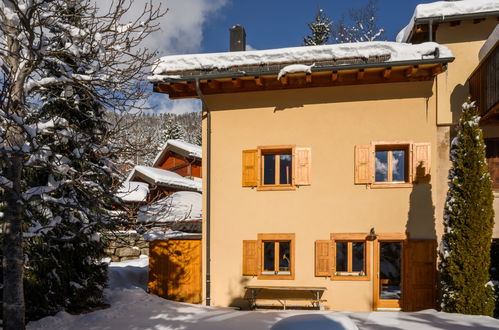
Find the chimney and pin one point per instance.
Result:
(237, 38)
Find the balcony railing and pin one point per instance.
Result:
(484, 83)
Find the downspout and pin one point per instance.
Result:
(430, 30)
(207, 192)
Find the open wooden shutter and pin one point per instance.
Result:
(250, 168)
(420, 285)
(323, 258)
(303, 166)
(364, 164)
(250, 258)
(421, 162)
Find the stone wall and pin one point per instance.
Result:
(126, 245)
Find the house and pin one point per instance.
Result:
(325, 167)
(180, 157)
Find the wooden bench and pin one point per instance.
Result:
(279, 296)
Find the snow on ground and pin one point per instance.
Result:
(447, 8)
(133, 308)
(397, 52)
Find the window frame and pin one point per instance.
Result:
(390, 147)
(351, 238)
(277, 238)
(276, 150)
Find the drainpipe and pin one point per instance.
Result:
(430, 30)
(207, 192)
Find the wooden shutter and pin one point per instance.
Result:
(250, 168)
(420, 270)
(364, 164)
(250, 258)
(421, 162)
(303, 166)
(323, 258)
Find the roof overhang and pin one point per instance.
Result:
(323, 74)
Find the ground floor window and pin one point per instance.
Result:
(351, 256)
(390, 270)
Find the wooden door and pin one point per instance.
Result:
(175, 270)
(420, 276)
(388, 274)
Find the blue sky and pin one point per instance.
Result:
(202, 26)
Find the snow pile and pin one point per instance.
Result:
(133, 191)
(129, 274)
(166, 178)
(316, 322)
(181, 205)
(294, 68)
(446, 8)
(397, 52)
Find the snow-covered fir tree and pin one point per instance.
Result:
(359, 25)
(62, 64)
(174, 131)
(468, 221)
(320, 30)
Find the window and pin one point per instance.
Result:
(391, 164)
(276, 167)
(269, 257)
(351, 252)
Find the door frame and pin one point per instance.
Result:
(388, 303)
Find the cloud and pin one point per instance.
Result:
(162, 104)
(181, 28)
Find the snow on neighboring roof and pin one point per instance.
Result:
(396, 51)
(185, 148)
(489, 44)
(164, 178)
(169, 234)
(181, 205)
(441, 9)
(133, 191)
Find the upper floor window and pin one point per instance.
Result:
(391, 163)
(277, 166)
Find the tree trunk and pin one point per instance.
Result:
(13, 256)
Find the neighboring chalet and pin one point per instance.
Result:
(325, 167)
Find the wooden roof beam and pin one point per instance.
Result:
(437, 69)
(387, 72)
(238, 83)
(308, 78)
(213, 84)
(259, 81)
(334, 76)
(360, 74)
(411, 71)
(284, 80)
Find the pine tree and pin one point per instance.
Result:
(468, 221)
(320, 30)
(174, 130)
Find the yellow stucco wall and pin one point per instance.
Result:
(465, 41)
(331, 121)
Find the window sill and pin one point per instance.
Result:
(276, 277)
(275, 187)
(350, 278)
(381, 185)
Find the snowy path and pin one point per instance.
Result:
(132, 308)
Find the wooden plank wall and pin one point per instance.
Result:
(175, 270)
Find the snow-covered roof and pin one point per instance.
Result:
(170, 234)
(180, 147)
(133, 191)
(181, 205)
(168, 67)
(442, 9)
(489, 44)
(164, 178)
